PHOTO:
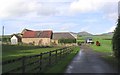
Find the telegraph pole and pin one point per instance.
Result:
(2, 33)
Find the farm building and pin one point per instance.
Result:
(15, 39)
(37, 37)
(64, 37)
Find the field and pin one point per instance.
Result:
(13, 52)
(105, 49)
(106, 44)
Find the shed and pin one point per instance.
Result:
(63, 36)
(15, 39)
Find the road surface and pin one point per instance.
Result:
(88, 61)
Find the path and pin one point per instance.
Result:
(87, 61)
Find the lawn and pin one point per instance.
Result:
(13, 51)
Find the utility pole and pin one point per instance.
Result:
(2, 33)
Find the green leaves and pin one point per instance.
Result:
(116, 40)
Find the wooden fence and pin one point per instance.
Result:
(35, 63)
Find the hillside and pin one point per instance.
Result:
(108, 34)
(84, 34)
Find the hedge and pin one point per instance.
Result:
(67, 40)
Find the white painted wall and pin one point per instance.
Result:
(14, 40)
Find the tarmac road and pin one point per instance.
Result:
(87, 61)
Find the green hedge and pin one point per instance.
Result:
(5, 39)
(116, 40)
(67, 41)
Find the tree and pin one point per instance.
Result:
(116, 40)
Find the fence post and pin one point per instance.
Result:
(23, 64)
(50, 58)
(60, 53)
(56, 55)
(41, 61)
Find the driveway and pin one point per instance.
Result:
(88, 61)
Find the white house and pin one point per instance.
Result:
(15, 39)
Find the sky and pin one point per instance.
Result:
(93, 16)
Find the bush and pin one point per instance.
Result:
(116, 40)
(67, 41)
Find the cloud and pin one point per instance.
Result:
(111, 29)
(85, 28)
(112, 16)
(18, 8)
(84, 6)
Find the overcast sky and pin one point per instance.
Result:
(94, 16)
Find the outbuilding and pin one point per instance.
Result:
(15, 39)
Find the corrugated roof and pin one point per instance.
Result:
(62, 35)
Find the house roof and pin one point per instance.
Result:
(38, 34)
(19, 37)
(63, 35)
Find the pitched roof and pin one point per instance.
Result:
(37, 34)
(29, 34)
(24, 30)
(63, 35)
(46, 34)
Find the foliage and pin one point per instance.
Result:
(116, 40)
(67, 41)
(6, 39)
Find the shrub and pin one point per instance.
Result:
(67, 41)
(116, 40)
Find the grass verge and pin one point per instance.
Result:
(61, 66)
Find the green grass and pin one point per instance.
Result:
(106, 43)
(106, 46)
(13, 51)
(61, 66)
(10, 52)
(106, 49)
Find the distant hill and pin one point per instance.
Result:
(108, 34)
(74, 33)
(84, 34)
